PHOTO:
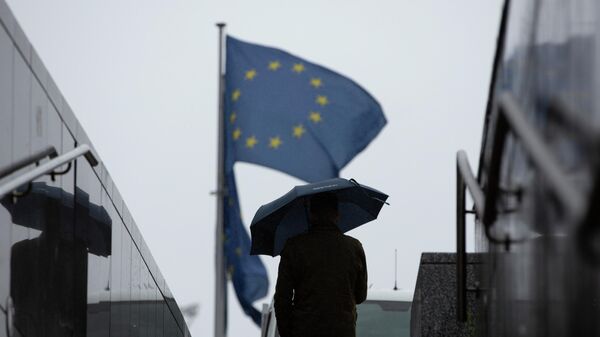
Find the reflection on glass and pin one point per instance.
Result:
(135, 292)
(125, 295)
(98, 275)
(5, 236)
(49, 271)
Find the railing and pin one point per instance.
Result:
(49, 152)
(48, 168)
(510, 118)
(464, 179)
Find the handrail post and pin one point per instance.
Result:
(461, 257)
(81, 150)
(49, 152)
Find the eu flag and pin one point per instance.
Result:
(292, 115)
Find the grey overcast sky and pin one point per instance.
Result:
(141, 77)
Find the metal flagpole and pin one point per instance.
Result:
(220, 280)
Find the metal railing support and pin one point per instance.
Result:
(465, 179)
(82, 150)
(50, 152)
(461, 250)
(510, 118)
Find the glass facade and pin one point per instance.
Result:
(72, 260)
(539, 281)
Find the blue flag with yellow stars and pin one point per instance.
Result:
(292, 115)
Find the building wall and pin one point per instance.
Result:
(543, 282)
(72, 259)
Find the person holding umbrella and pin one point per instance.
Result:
(323, 272)
(322, 276)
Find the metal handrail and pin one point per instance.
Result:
(81, 150)
(581, 128)
(511, 118)
(49, 152)
(468, 177)
(465, 179)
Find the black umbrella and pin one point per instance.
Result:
(287, 216)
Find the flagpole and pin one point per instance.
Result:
(220, 280)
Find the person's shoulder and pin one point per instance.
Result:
(352, 241)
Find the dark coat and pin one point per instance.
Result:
(322, 276)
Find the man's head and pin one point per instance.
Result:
(323, 208)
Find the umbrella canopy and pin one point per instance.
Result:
(287, 216)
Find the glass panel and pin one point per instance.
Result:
(5, 243)
(47, 264)
(40, 106)
(146, 304)
(160, 305)
(93, 232)
(117, 320)
(2, 324)
(135, 292)
(6, 157)
(126, 262)
(22, 109)
(6, 68)
(170, 324)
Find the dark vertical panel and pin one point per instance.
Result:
(116, 309)
(126, 282)
(152, 314)
(143, 300)
(43, 256)
(6, 98)
(135, 292)
(5, 247)
(2, 325)
(93, 233)
(159, 313)
(170, 325)
(146, 304)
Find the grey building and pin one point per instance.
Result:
(72, 260)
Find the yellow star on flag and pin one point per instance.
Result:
(232, 117)
(238, 251)
(316, 82)
(251, 142)
(275, 142)
(250, 74)
(236, 95)
(237, 133)
(299, 131)
(274, 65)
(298, 68)
(315, 117)
(322, 100)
